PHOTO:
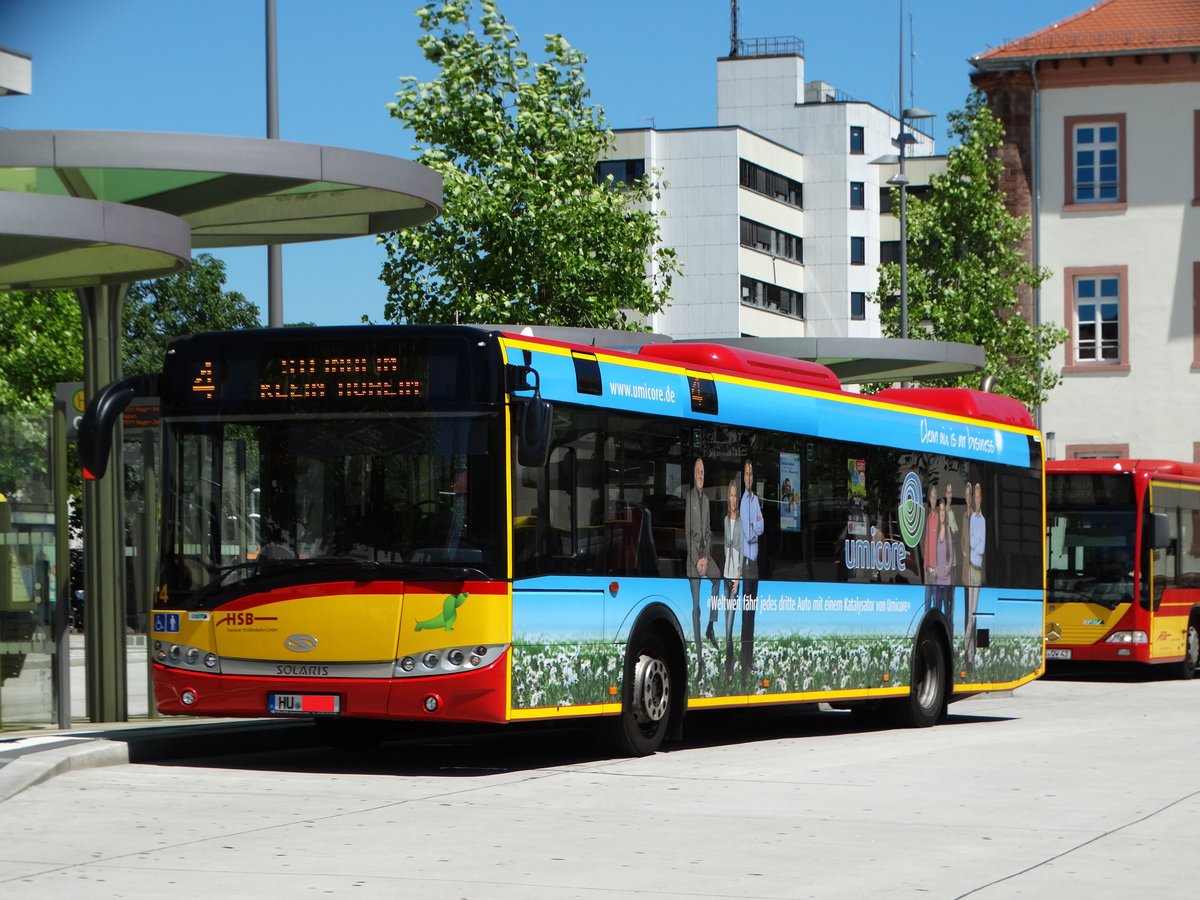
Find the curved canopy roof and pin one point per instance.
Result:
(67, 242)
(232, 191)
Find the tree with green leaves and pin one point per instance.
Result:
(191, 301)
(966, 266)
(528, 233)
(41, 344)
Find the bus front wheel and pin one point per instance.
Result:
(1191, 653)
(926, 702)
(649, 694)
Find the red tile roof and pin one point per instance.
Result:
(1111, 26)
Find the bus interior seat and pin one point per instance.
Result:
(630, 542)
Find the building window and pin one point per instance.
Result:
(1196, 319)
(771, 184)
(1097, 320)
(622, 171)
(858, 305)
(772, 297)
(1196, 157)
(1098, 316)
(1095, 167)
(1097, 451)
(757, 236)
(857, 141)
(889, 252)
(858, 251)
(857, 195)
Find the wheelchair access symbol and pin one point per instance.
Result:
(167, 623)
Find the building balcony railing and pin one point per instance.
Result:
(769, 46)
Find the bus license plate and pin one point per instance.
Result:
(1059, 653)
(304, 704)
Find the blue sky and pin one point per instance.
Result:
(188, 66)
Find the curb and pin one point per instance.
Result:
(34, 768)
(31, 759)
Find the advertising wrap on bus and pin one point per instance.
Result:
(391, 523)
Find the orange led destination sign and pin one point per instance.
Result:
(331, 377)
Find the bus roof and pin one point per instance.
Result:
(750, 363)
(719, 358)
(1157, 468)
(962, 402)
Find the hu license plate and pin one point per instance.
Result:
(304, 704)
(1058, 653)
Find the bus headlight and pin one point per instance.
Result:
(1128, 637)
(181, 656)
(447, 660)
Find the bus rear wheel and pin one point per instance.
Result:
(1191, 653)
(926, 702)
(649, 695)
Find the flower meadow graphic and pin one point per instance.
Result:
(821, 642)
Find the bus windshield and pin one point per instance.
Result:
(1091, 556)
(247, 499)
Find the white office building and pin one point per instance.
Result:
(774, 212)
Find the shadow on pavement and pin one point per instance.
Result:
(445, 750)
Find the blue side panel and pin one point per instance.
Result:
(658, 392)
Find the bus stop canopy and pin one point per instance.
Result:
(853, 360)
(232, 191)
(65, 242)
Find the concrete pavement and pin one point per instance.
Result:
(31, 757)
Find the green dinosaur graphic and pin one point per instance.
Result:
(445, 619)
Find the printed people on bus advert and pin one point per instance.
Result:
(752, 529)
(698, 528)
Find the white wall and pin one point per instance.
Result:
(1154, 406)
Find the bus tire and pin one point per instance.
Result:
(926, 702)
(650, 691)
(1191, 653)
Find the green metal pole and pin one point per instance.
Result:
(104, 522)
(62, 561)
(149, 554)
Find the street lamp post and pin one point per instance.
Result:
(901, 180)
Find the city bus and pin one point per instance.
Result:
(1124, 562)
(374, 524)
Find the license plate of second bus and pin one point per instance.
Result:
(1060, 653)
(304, 704)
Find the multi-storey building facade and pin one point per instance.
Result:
(775, 211)
(1102, 112)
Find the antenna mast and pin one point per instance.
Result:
(733, 27)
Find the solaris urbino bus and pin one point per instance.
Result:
(473, 524)
(1124, 562)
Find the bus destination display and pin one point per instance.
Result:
(340, 377)
(300, 374)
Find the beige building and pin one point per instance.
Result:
(1102, 112)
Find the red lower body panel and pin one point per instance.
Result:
(474, 696)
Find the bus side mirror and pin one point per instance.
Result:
(100, 417)
(533, 444)
(1160, 531)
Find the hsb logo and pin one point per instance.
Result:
(237, 618)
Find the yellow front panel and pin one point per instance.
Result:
(347, 628)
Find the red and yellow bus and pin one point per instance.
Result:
(1124, 562)
(394, 523)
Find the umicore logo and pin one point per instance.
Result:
(912, 510)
